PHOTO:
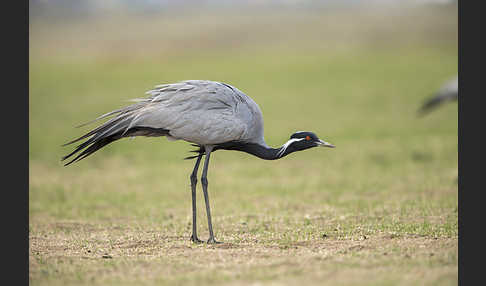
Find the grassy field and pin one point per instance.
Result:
(380, 209)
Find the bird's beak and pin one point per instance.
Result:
(321, 143)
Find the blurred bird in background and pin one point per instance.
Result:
(448, 92)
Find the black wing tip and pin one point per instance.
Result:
(68, 163)
(429, 104)
(75, 140)
(428, 107)
(90, 148)
(67, 156)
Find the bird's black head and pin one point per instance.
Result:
(302, 140)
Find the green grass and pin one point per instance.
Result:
(380, 209)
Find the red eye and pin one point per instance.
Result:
(307, 138)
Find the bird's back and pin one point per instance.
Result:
(203, 112)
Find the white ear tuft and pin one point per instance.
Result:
(287, 144)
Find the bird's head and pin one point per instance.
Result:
(302, 140)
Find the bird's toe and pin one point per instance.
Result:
(213, 241)
(195, 239)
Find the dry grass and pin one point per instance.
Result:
(87, 254)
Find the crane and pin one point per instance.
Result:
(448, 92)
(208, 114)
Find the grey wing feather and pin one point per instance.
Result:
(203, 112)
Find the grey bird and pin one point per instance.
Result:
(210, 115)
(448, 92)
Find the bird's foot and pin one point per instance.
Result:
(195, 239)
(211, 240)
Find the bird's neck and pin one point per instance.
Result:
(258, 150)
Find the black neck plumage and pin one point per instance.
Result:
(257, 150)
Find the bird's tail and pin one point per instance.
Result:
(437, 100)
(96, 145)
(116, 128)
(430, 104)
(97, 138)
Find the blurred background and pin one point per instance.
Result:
(354, 72)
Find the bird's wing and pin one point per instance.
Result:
(202, 112)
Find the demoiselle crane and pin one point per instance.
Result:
(210, 115)
(448, 92)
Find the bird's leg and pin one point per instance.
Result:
(204, 182)
(193, 189)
